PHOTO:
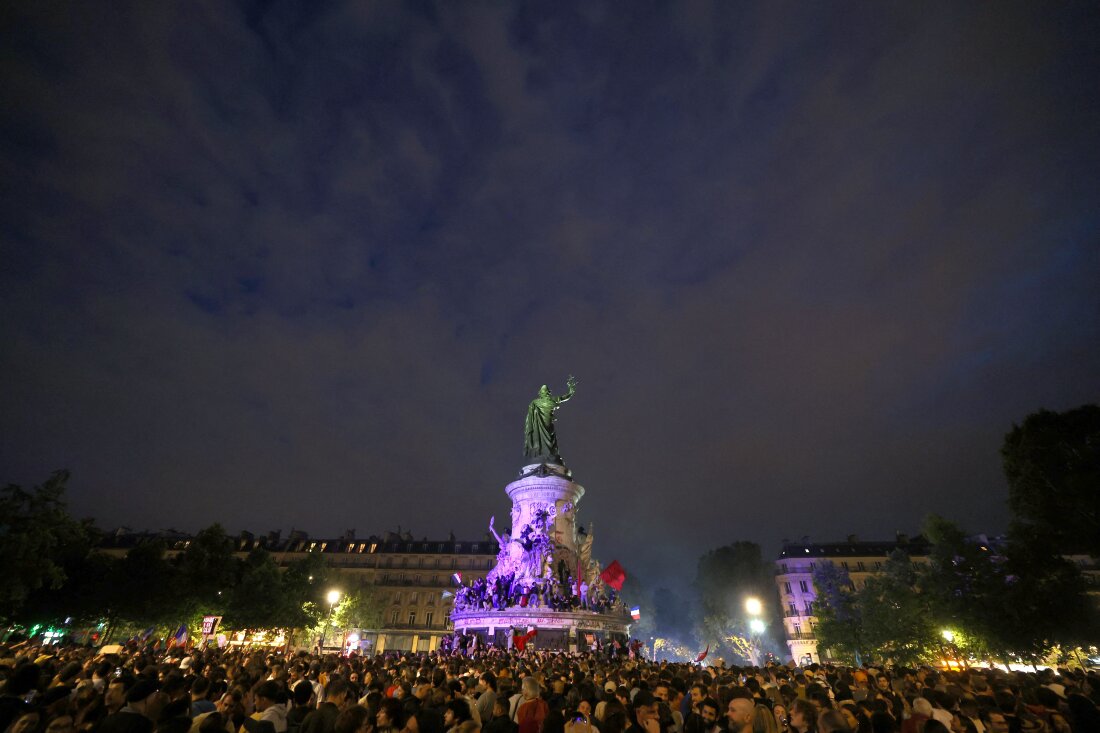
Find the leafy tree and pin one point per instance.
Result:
(206, 568)
(36, 532)
(898, 624)
(305, 584)
(257, 599)
(1052, 463)
(1012, 599)
(359, 609)
(146, 587)
(839, 615)
(88, 589)
(724, 579)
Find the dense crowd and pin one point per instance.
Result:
(557, 593)
(142, 690)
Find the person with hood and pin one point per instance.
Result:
(271, 702)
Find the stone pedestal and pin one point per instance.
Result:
(545, 487)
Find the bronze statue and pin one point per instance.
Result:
(540, 440)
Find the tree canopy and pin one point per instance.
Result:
(1052, 464)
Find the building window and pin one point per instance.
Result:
(787, 586)
(878, 566)
(428, 619)
(859, 565)
(416, 578)
(809, 608)
(397, 598)
(412, 618)
(783, 567)
(393, 618)
(803, 587)
(373, 546)
(414, 597)
(473, 548)
(845, 564)
(431, 599)
(813, 566)
(489, 564)
(797, 630)
(793, 610)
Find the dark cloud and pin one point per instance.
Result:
(280, 264)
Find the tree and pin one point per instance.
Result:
(1052, 463)
(207, 568)
(839, 615)
(898, 625)
(88, 588)
(305, 584)
(724, 579)
(146, 588)
(257, 599)
(1011, 599)
(36, 532)
(359, 609)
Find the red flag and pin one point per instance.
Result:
(578, 577)
(703, 654)
(614, 575)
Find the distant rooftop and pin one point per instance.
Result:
(299, 541)
(855, 547)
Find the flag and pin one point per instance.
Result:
(147, 633)
(179, 638)
(703, 654)
(614, 575)
(519, 641)
(636, 613)
(578, 577)
(447, 594)
(458, 578)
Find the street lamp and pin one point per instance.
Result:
(333, 597)
(756, 626)
(948, 635)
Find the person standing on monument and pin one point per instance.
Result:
(540, 438)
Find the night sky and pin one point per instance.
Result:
(304, 265)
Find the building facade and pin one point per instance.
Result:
(409, 576)
(794, 569)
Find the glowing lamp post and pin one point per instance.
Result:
(333, 598)
(754, 607)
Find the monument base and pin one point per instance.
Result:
(557, 630)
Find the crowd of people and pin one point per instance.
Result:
(557, 593)
(142, 690)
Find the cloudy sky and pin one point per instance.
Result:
(283, 264)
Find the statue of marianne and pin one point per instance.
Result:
(540, 440)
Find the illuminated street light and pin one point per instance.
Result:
(754, 606)
(756, 626)
(948, 635)
(332, 597)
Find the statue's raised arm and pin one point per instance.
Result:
(500, 543)
(540, 438)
